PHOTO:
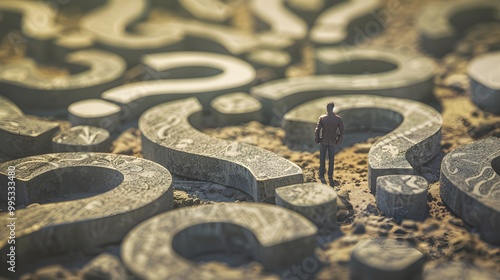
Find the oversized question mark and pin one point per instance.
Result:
(442, 24)
(393, 74)
(170, 137)
(414, 130)
(118, 193)
(110, 23)
(470, 185)
(221, 74)
(161, 247)
(96, 71)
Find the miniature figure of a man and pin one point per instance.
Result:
(329, 132)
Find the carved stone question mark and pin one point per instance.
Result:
(170, 137)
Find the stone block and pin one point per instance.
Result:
(95, 112)
(23, 136)
(484, 77)
(82, 139)
(387, 259)
(317, 202)
(235, 109)
(402, 197)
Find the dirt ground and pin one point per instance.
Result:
(441, 237)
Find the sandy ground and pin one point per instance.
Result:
(441, 237)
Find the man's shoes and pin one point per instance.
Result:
(322, 179)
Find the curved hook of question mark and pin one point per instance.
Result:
(410, 77)
(135, 98)
(169, 138)
(414, 130)
(126, 190)
(162, 245)
(21, 83)
(437, 32)
(470, 185)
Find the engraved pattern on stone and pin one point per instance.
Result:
(95, 112)
(20, 82)
(484, 77)
(412, 79)
(402, 197)
(82, 139)
(274, 236)
(169, 137)
(317, 202)
(126, 190)
(137, 97)
(414, 130)
(470, 185)
(235, 109)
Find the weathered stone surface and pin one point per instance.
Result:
(160, 247)
(275, 60)
(109, 25)
(219, 11)
(23, 136)
(385, 259)
(413, 79)
(414, 130)
(234, 109)
(105, 266)
(216, 38)
(459, 271)
(70, 41)
(8, 108)
(113, 194)
(82, 139)
(225, 75)
(402, 197)
(95, 112)
(315, 201)
(442, 24)
(38, 25)
(20, 82)
(349, 22)
(308, 9)
(273, 13)
(484, 76)
(470, 185)
(169, 137)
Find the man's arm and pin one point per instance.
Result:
(341, 133)
(317, 131)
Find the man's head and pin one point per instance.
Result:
(330, 106)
